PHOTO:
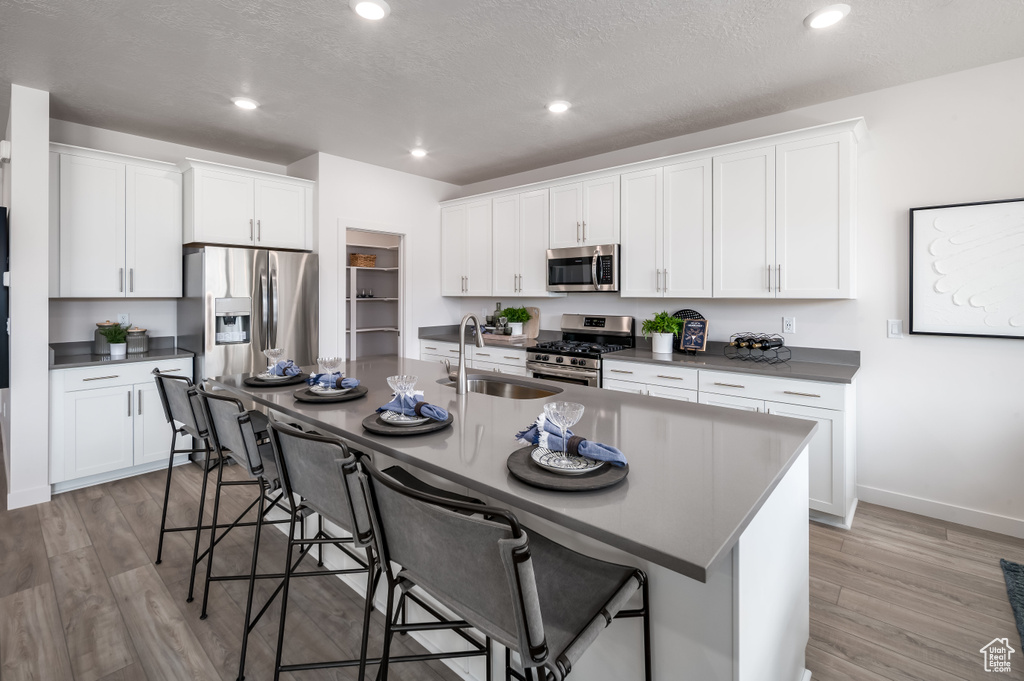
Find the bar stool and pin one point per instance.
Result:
(323, 472)
(536, 597)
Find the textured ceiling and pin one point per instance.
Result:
(469, 78)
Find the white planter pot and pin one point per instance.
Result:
(662, 343)
(118, 350)
(517, 328)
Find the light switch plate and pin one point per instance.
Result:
(123, 319)
(894, 328)
(789, 325)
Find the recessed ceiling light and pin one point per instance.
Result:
(374, 10)
(827, 16)
(245, 103)
(418, 152)
(559, 106)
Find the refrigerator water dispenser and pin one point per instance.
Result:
(233, 317)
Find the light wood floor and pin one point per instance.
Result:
(898, 597)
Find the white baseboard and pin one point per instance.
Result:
(806, 676)
(100, 478)
(982, 520)
(28, 497)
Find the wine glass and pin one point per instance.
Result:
(564, 415)
(402, 385)
(273, 356)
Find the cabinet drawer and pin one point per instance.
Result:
(623, 386)
(666, 376)
(786, 390)
(442, 349)
(493, 355)
(106, 375)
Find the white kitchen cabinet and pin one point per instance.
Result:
(743, 218)
(826, 454)
(669, 393)
(643, 234)
(624, 386)
(232, 206)
(118, 227)
(656, 380)
(439, 350)
(107, 421)
(466, 249)
(520, 241)
(585, 213)
(505, 247)
(732, 402)
(479, 365)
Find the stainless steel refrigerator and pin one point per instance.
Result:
(240, 301)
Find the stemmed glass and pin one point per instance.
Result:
(564, 415)
(402, 384)
(329, 366)
(273, 356)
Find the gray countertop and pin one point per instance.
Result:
(450, 334)
(79, 354)
(698, 474)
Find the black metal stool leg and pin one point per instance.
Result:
(284, 599)
(167, 494)
(199, 524)
(213, 534)
(382, 672)
(252, 585)
(647, 632)
(372, 577)
(320, 548)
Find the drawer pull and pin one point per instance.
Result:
(620, 371)
(730, 385)
(167, 371)
(507, 357)
(483, 354)
(455, 351)
(672, 378)
(99, 378)
(790, 392)
(427, 347)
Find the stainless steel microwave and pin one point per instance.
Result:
(585, 268)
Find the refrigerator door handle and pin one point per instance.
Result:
(275, 303)
(264, 293)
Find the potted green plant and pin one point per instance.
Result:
(516, 317)
(663, 327)
(117, 336)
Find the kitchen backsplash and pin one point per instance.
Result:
(75, 320)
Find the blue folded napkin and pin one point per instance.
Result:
(285, 367)
(545, 434)
(413, 405)
(332, 381)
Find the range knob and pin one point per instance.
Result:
(545, 358)
(559, 359)
(572, 361)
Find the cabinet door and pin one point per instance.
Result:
(744, 224)
(624, 386)
(687, 243)
(478, 249)
(730, 401)
(566, 216)
(826, 455)
(280, 214)
(453, 250)
(224, 205)
(153, 232)
(97, 431)
(642, 227)
(679, 394)
(813, 243)
(533, 243)
(152, 432)
(91, 228)
(505, 246)
(601, 211)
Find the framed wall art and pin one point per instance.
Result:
(967, 269)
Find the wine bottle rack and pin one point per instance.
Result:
(774, 355)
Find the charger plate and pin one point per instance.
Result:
(307, 395)
(257, 382)
(375, 424)
(521, 466)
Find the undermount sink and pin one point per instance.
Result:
(509, 388)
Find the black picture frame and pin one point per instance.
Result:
(693, 337)
(936, 309)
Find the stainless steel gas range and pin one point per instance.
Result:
(577, 357)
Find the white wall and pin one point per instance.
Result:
(356, 194)
(940, 421)
(28, 423)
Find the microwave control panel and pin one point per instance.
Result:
(605, 270)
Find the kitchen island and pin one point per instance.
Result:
(714, 509)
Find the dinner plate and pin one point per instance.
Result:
(559, 462)
(395, 419)
(320, 390)
(270, 377)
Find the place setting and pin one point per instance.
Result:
(279, 372)
(330, 384)
(555, 458)
(407, 413)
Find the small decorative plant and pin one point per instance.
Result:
(115, 334)
(516, 315)
(662, 322)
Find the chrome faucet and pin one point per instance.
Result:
(462, 385)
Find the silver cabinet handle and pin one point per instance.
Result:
(455, 351)
(250, 230)
(120, 278)
(584, 231)
(790, 392)
(259, 231)
(140, 403)
(164, 371)
(671, 378)
(129, 403)
(131, 280)
(769, 277)
(427, 347)
(99, 378)
(507, 357)
(579, 234)
(620, 371)
(730, 385)
(664, 281)
(481, 354)
(467, 283)
(778, 281)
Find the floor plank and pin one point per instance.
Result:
(97, 640)
(133, 672)
(872, 657)
(63, 529)
(824, 590)
(168, 648)
(23, 562)
(31, 638)
(116, 545)
(828, 667)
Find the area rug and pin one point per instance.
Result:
(1013, 573)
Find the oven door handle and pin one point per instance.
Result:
(560, 371)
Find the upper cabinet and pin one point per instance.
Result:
(466, 249)
(237, 207)
(118, 226)
(520, 240)
(585, 213)
(744, 224)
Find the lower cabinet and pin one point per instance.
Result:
(491, 358)
(108, 419)
(667, 392)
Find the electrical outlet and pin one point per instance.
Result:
(789, 325)
(124, 319)
(894, 328)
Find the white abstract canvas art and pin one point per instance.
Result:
(967, 269)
